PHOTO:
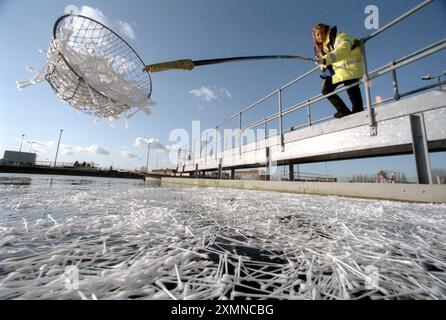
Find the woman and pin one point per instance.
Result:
(341, 64)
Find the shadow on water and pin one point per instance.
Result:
(80, 182)
(264, 264)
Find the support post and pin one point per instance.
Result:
(232, 174)
(268, 164)
(240, 134)
(216, 142)
(291, 172)
(309, 114)
(282, 145)
(372, 123)
(220, 171)
(420, 149)
(396, 93)
(21, 143)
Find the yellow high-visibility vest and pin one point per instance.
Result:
(347, 63)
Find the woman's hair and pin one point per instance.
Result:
(319, 47)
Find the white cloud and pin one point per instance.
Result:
(123, 27)
(204, 93)
(154, 143)
(126, 29)
(87, 11)
(67, 151)
(141, 142)
(208, 94)
(70, 150)
(97, 150)
(226, 92)
(51, 144)
(129, 155)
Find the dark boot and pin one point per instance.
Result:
(340, 107)
(335, 100)
(354, 94)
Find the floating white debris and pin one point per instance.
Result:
(94, 70)
(216, 244)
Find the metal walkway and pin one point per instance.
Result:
(406, 123)
(417, 123)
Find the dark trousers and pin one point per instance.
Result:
(354, 94)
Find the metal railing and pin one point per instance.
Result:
(189, 150)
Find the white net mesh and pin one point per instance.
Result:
(95, 70)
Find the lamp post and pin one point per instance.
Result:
(21, 143)
(148, 154)
(32, 142)
(58, 144)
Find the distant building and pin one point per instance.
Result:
(385, 177)
(15, 158)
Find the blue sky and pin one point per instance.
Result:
(198, 29)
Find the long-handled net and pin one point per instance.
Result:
(97, 72)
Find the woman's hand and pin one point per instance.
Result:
(321, 61)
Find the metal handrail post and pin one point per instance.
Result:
(279, 93)
(216, 142)
(240, 134)
(372, 124)
(396, 93)
(309, 114)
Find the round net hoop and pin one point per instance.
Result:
(96, 71)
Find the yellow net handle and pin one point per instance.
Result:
(185, 64)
